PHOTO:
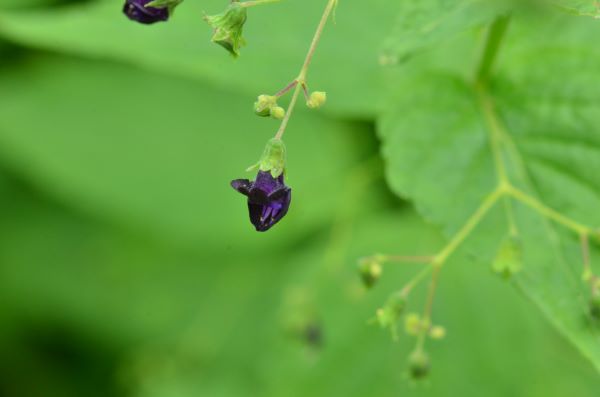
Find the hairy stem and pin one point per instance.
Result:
(301, 79)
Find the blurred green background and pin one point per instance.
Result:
(128, 266)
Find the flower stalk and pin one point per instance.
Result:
(300, 82)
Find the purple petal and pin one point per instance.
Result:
(242, 185)
(135, 10)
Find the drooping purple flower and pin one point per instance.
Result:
(136, 10)
(268, 199)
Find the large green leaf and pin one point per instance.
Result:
(159, 152)
(421, 24)
(346, 63)
(438, 152)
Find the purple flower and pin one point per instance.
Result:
(268, 199)
(136, 10)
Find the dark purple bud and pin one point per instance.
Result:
(136, 11)
(268, 199)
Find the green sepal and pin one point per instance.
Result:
(272, 159)
(228, 28)
(170, 4)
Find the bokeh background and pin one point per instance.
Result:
(128, 266)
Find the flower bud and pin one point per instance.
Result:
(277, 112)
(263, 105)
(418, 364)
(508, 259)
(370, 271)
(437, 332)
(413, 324)
(388, 315)
(316, 99)
(228, 28)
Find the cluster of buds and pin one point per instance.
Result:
(415, 325)
(266, 105)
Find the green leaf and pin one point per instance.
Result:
(158, 152)
(421, 24)
(278, 37)
(436, 142)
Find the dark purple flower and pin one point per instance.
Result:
(135, 10)
(268, 199)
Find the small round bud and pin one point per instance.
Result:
(277, 112)
(263, 105)
(413, 324)
(418, 365)
(587, 275)
(316, 99)
(437, 332)
(370, 271)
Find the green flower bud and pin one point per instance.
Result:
(316, 99)
(228, 28)
(437, 332)
(370, 271)
(418, 364)
(388, 315)
(508, 259)
(587, 275)
(263, 105)
(169, 4)
(272, 159)
(277, 112)
(413, 324)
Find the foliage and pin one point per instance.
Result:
(128, 267)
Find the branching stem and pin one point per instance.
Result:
(301, 79)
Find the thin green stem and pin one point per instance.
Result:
(301, 79)
(548, 212)
(408, 287)
(468, 227)
(493, 40)
(428, 307)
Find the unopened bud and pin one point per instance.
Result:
(413, 324)
(370, 271)
(277, 112)
(437, 332)
(418, 364)
(316, 99)
(263, 105)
